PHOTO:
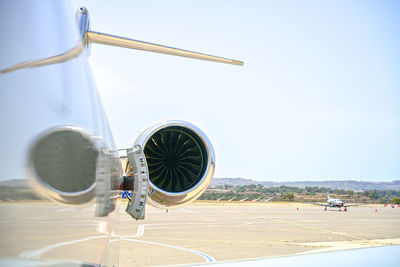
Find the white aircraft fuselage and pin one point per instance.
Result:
(58, 149)
(335, 202)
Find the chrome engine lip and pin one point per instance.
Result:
(43, 188)
(144, 137)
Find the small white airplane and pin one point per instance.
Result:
(335, 203)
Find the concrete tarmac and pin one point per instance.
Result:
(198, 233)
(220, 231)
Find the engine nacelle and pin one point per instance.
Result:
(181, 162)
(71, 166)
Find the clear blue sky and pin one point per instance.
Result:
(317, 99)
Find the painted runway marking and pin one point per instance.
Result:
(139, 232)
(141, 227)
(37, 253)
(208, 258)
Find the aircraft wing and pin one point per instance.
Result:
(352, 205)
(375, 256)
(108, 39)
(319, 204)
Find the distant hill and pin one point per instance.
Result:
(334, 184)
(14, 183)
(15, 190)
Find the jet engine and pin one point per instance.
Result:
(71, 166)
(180, 161)
(62, 165)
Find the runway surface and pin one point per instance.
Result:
(199, 233)
(209, 232)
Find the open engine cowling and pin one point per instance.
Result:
(180, 161)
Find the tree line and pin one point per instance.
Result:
(289, 193)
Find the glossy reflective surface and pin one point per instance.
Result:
(57, 92)
(385, 256)
(161, 197)
(101, 38)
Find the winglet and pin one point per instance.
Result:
(89, 36)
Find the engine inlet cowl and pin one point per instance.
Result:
(62, 165)
(180, 160)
